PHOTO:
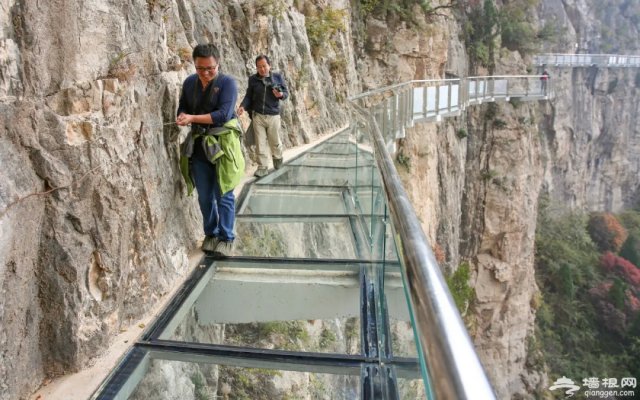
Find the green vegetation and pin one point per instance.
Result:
(403, 160)
(249, 383)
(322, 27)
(515, 102)
(588, 319)
(327, 339)
(121, 68)
(201, 391)
(489, 175)
(511, 24)
(462, 133)
(286, 335)
(606, 232)
(458, 283)
(261, 240)
(620, 22)
(499, 123)
(480, 32)
(405, 10)
(273, 8)
(352, 329)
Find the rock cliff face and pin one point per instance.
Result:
(593, 139)
(477, 199)
(94, 223)
(591, 127)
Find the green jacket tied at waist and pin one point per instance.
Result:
(222, 147)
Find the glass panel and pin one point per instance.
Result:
(410, 386)
(431, 100)
(455, 101)
(403, 343)
(318, 176)
(500, 87)
(472, 89)
(333, 160)
(443, 100)
(166, 378)
(418, 101)
(294, 200)
(295, 237)
(334, 148)
(379, 227)
(361, 136)
(296, 307)
(370, 201)
(341, 138)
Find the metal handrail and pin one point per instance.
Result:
(587, 54)
(581, 59)
(453, 367)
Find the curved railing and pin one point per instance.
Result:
(587, 60)
(451, 368)
(431, 100)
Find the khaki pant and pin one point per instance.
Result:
(266, 128)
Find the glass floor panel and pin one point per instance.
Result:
(294, 307)
(166, 375)
(292, 200)
(380, 237)
(300, 310)
(410, 388)
(321, 176)
(295, 237)
(334, 160)
(370, 200)
(335, 148)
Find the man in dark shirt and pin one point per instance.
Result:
(265, 91)
(207, 101)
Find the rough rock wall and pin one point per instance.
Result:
(593, 27)
(503, 179)
(477, 200)
(593, 139)
(94, 221)
(106, 226)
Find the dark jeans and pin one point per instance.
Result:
(218, 210)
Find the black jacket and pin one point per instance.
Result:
(260, 98)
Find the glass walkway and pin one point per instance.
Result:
(312, 305)
(333, 291)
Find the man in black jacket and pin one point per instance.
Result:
(264, 92)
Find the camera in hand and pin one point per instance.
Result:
(276, 86)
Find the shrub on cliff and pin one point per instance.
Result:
(631, 250)
(580, 330)
(607, 232)
(612, 263)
